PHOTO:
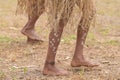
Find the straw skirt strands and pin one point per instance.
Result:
(62, 9)
(30, 7)
(59, 10)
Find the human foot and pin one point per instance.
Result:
(53, 71)
(31, 34)
(78, 63)
(31, 41)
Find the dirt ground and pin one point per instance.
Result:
(22, 61)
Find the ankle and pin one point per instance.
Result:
(28, 27)
(47, 64)
(78, 57)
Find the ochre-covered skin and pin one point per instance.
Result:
(59, 14)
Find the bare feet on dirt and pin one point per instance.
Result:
(54, 71)
(31, 41)
(79, 63)
(32, 36)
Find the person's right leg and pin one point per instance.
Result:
(54, 40)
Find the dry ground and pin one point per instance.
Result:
(21, 61)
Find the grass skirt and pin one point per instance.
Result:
(59, 10)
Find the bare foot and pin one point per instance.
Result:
(31, 41)
(54, 71)
(31, 34)
(78, 63)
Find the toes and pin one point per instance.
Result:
(86, 64)
(63, 73)
(93, 65)
(89, 64)
(55, 73)
(58, 72)
(31, 34)
(29, 40)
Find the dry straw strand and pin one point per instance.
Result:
(59, 9)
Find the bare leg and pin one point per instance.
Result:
(54, 40)
(78, 58)
(29, 29)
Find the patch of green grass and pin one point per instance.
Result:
(104, 32)
(2, 75)
(5, 39)
(101, 12)
(91, 39)
(68, 39)
(25, 70)
(112, 42)
(81, 73)
(73, 37)
(91, 36)
(13, 69)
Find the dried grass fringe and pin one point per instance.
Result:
(30, 7)
(56, 8)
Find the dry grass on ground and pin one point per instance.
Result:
(20, 61)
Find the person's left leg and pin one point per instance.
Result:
(82, 31)
(78, 58)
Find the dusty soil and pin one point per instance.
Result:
(22, 61)
(25, 62)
